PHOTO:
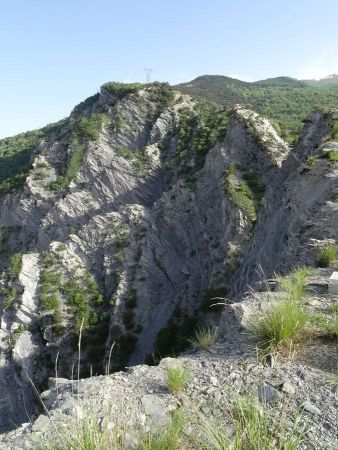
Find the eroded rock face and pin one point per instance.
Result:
(136, 228)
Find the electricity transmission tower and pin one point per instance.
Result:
(148, 72)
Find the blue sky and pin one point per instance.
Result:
(54, 54)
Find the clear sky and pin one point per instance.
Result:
(55, 53)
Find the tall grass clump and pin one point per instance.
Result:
(169, 437)
(282, 325)
(327, 254)
(250, 428)
(176, 378)
(87, 434)
(204, 338)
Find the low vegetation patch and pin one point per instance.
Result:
(197, 133)
(334, 133)
(88, 434)
(240, 194)
(176, 378)
(88, 128)
(75, 162)
(247, 426)
(139, 160)
(252, 429)
(15, 265)
(327, 254)
(16, 156)
(332, 156)
(204, 338)
(122, 89)
(172, 339)
(284, 323)
(326, 323)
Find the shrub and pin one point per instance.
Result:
(284, 322)
(311, 160)
(9, 297)
(327, 254)
(88, 127)
(294, 286)
(15, 265)
(122, 89)
(204, 338)
(331, 155)
(139, 159)
(173, 338)
(334, 134)
(280, 325)
(75, 162)
(240, 194)
(16, 156)
(255, 184)
(327, 326)
(176, 378)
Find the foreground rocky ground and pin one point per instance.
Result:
(286, 385)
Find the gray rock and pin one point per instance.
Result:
(288, 388)
(155, 409)
(309, 407)
(41, 423)
(267, 394)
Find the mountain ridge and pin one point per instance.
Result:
(134, 214)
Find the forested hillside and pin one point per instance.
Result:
(283, 100)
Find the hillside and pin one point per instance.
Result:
(128, 221)
(327, 82)
(283, 100)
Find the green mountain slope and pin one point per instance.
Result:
(285, 101)
(16, 155)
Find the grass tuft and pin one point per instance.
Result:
(252, 429)
(327, 254)
(204, 338)
(282, 325)
(177, 378)
(87, 434)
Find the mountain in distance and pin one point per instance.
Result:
(284, 100)
(330, 81)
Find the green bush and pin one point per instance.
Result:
(334, 134)
(331, 155)
(198, 132)
(88, 128)
(327, 254)
(16, 154)
(75, 162)
(173, 338)
(15, 265)
(122, 89)
(284, 323)
(9, 298)
(240, 194)
(327, 326)
(139, 159)
(255, 184)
